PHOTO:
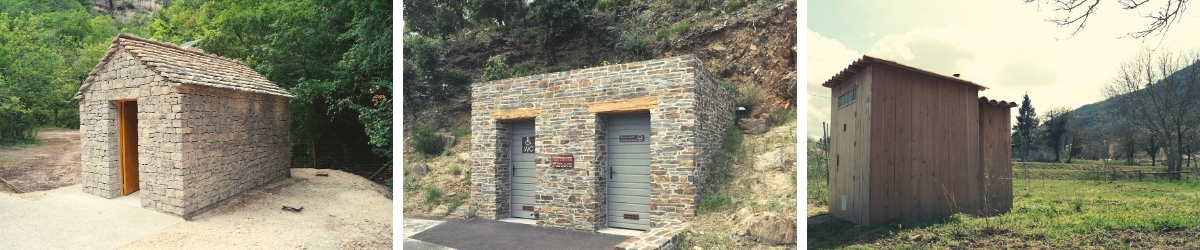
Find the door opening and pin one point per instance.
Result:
(127, 145)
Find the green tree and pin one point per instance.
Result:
(558, 15)
(1056, 128)
(1027, 121)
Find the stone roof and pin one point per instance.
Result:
(186, 66)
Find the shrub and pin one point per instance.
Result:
(682, 27)
(773, 206)
(433, 195)
(460, 131)
(733, 5)
(782, 116)
(714, 203)
(748, 95)
(496, 69)
(455, 170)
(458, 77)
(662, 33)
(635, 43)
(424, 139)
(523, 69)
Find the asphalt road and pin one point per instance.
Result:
(489, 234)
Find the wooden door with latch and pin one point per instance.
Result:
(127, 141)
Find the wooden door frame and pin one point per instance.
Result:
(123, 123)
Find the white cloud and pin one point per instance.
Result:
(826, 57)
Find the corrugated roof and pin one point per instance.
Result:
(867, 60)
(997, 103)
(186, 66)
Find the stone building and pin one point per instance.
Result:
(618, 146)
(185, 128)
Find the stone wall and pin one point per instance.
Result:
(232, 141)
(123, 78)
(713, 121)
(196, 145)
(565, 107)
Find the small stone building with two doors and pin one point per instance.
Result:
(182, 128)
(908, 143)
(619, 146)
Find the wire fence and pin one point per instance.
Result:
(358, 160)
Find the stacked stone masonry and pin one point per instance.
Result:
(689, 112)
(197, 145)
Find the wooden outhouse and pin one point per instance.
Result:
(180, 128)
(908, 143)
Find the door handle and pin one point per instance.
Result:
(610, 172)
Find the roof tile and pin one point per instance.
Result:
(185, 66)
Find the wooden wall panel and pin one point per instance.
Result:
(924, 146)
(849, 157)
(995, 188)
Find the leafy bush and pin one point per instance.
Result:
(433, 195)
(523, 69)
(682, 27)
(558, 14)
(714, 203)
(460, 131)
(635, 43)
(424, 139)
(458, 77)
(455, 170)
(782, 116)
(733, 5)
(496, 69)
(662, 33)
(749, 95)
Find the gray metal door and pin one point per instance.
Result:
(629, 171)
(522, 151)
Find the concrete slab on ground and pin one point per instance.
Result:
(67, 218)
(489, 234)
(414, 226)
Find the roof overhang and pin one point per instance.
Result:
(862, 63)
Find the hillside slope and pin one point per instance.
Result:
(751, 46)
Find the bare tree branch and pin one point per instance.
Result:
(1078, 12)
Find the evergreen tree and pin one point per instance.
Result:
(1026, 122)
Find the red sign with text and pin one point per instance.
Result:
(562, 161)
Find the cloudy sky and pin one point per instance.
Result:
(1005, 45)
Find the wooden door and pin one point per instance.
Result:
(127, 145)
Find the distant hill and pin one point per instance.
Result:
(1098, 114)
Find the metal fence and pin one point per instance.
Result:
(358, 160)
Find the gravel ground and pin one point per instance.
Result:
(341, 211)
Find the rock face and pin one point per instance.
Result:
(418, 169)
(753, 125)
(770, 161)
(771, 228)
(126, 10)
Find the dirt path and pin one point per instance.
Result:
(341, 211)
(53, 164)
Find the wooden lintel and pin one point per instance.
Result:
(626, 105)
(515, 114)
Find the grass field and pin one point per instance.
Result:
(1058, 210)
